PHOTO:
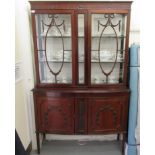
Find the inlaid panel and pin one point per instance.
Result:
(56, 115)
(105, 115)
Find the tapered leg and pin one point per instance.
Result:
(118, 137)
(123, 144)
(44, 136)
(38, 142)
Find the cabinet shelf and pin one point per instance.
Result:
(94, 61)
(55, 61)
(54, 36)
(94, 36)
(108, 61)
(41, 50)
(93, 50)
(108, 36)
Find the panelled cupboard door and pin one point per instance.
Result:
(105, 115)
(55, 115)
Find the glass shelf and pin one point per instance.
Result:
(108, 36)
(44, 50)
(103, 82)
(54, 61)
(58, 82)
(111, 51)
(93, 61)
(104, 36)
(54, 36)
(81, 36)
(108, 61)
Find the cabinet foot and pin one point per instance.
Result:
(44, 136)
(123, 144)
(38, 142)
(118, 137)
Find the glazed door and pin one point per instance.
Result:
(54, 47)
(55, 115)
(105, 115)
(108, 53)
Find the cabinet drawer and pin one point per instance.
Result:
(55, 115)
(105, 114)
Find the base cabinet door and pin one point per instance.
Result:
(105, 115)
(56, 115)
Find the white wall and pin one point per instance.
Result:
(23, 117)
(24, 49)
(135, 23)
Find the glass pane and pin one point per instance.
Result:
(54, 48)
(81, 47)
(108, 48)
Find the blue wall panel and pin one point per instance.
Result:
(134, 87)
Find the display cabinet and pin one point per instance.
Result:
(81, 67)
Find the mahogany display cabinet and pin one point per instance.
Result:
(81, 67)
